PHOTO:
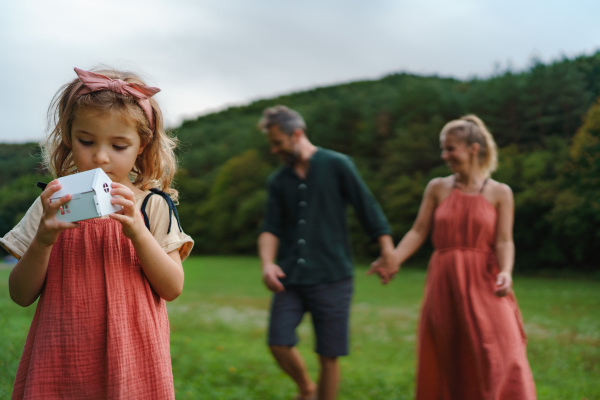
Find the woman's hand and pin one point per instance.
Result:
(503, 284)
(386, 266)
(50, 227)
(130, 217)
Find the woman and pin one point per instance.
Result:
(471, 340)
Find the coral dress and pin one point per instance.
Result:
(471, 342)
(99, 330)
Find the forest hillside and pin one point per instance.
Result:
(546, 121)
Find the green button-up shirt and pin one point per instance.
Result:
(309, 218)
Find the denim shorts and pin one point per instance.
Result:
(329, 306)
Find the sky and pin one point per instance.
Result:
(208, 55)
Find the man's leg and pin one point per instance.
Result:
(329, 378)
(287, 311)
(291, 363)
(329, 305)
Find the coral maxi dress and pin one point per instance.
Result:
(471, 342)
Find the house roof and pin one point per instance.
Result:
(81, 182)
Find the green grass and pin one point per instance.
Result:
(218, 335)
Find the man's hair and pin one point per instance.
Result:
(283, 117)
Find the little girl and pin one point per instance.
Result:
(100, 329)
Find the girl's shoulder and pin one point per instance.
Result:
(18, 239)
(162, 220)
(157, 208)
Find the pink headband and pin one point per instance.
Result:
(92, 82)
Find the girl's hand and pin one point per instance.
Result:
(503, 284)
(50, 227)
(129, 217)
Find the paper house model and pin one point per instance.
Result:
(91, 196)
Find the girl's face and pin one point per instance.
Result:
(107, 141)
(457, 154)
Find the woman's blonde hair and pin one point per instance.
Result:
(471, 129)
(154, 167)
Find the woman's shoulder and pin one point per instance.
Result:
(498, 193)
(442, 181)
(498, 188)
(439, 188)
(440, 184)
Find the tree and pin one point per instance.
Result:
(576, 211)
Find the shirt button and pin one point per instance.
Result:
(301, 241)
(302, 186)
(302, 222)
(301, 261)
(302, 204)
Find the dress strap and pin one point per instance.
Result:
(483, 186)
(172, 209)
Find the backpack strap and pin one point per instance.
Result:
(172, 208)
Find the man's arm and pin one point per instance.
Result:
(368, 211)
(271, 272)
(373, 220)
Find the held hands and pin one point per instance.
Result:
(129, 217)
(50, 227)
(503, 284)
(272, 273)
(386, 266)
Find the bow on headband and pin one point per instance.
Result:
(93, 82)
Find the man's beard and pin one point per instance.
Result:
(289, 159)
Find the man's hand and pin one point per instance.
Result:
(272, 274)
(386, 266)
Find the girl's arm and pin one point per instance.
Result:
(163, 270)
(29, 274)
(417, 235)
(505, 247)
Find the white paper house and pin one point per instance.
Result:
(91, 196)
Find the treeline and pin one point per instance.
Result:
(545, 121)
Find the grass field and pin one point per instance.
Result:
(218, 335)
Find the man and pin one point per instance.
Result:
(304, 248)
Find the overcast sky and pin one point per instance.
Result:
(206, 55)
